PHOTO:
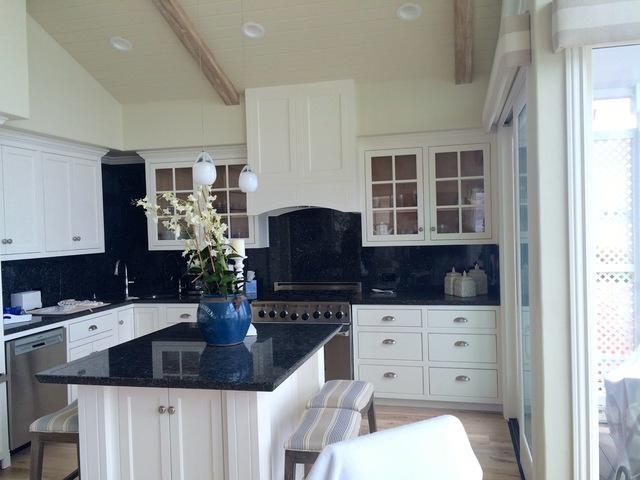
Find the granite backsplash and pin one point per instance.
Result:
(305, 245)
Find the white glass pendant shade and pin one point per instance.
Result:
(248, 181)
(204, 170)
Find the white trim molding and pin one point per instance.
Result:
(50, 144)
(585, 412)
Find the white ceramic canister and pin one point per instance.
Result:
(464, 286)
(480, 277)
(449, 279)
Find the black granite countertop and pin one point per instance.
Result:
(178, 357)
(425, 298)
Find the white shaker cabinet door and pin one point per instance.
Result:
(22, 199)
(145, 451)
(57, 202)
(196, 434)
(126, 325)
(86, 209)
(147, 320)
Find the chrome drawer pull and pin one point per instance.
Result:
(463, 378)
(388, 318)
(185, 315)
(460, 320)
(389, 341)
(93, 327)
(461, 343)
(391, 375)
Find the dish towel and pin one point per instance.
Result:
(434, 449)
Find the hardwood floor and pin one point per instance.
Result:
(487, 431)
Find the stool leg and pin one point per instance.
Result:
(37, 457)
(371, 415)
(289, 467)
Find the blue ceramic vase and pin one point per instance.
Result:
(224, 319)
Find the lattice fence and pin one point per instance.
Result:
(614, 253)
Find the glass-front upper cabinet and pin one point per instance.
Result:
(460, 192)
(394, 191)
(177, 178)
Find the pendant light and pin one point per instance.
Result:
(204, 170)
(248, 181)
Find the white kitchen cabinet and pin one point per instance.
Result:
(435, 353)
(73, 204)
(51, 201)
(21, 202)
(126, 325)
(170, 171)
(394, 195)
(172, 434)
(428, 189)
(460, 189)
(301, 143)
(147, 320)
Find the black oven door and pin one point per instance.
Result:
(338, 357)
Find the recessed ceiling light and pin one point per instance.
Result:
(409, 11)
(252, 30)
(121, 43)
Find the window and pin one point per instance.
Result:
(612, 231)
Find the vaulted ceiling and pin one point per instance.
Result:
(306, 40)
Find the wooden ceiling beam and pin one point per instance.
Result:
(185, 30)
(464, 41)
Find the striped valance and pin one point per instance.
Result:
(578, 23)
(513, 51)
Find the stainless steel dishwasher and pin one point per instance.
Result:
(28, 398)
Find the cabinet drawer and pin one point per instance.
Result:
(452, 347)
(463, 382)
(389, 318)
(393, 378)
(461, 318)
(390, 346)
(185, 313)
(91, 327)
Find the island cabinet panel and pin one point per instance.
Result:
(196, 434)
(145, 441)
(147, 320)
(126, 325)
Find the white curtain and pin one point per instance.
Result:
(513, 51)
(578, 23)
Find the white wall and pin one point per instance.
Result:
(14, 70)
(393, 107)
(65, 100)
(549, 255)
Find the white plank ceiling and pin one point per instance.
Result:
(305, 41)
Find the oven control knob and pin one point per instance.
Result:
(262, 313)
(316, 314)
(284, 314)
(294, 316)
(328, 314)
(305, 316)
(339, 314)
(273, 314)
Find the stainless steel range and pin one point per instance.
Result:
(315, 302)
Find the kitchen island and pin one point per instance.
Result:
(167, 406)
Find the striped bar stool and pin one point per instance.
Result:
(57, 427)
(318, 428)
(354, 395)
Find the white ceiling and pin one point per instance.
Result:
(306, 40)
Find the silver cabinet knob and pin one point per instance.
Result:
(463, 378)
(121, 322)
(171, 410)
(162, 409)
(79, 238)
(93, 327)
(388, 318)
(389, 341)
(461, 343)
(185, 315)
(390, 375)
(9, 240)
(460, 320)
(433, 229)
(420, 229)
(4, 241)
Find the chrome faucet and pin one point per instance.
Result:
(127, 282)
